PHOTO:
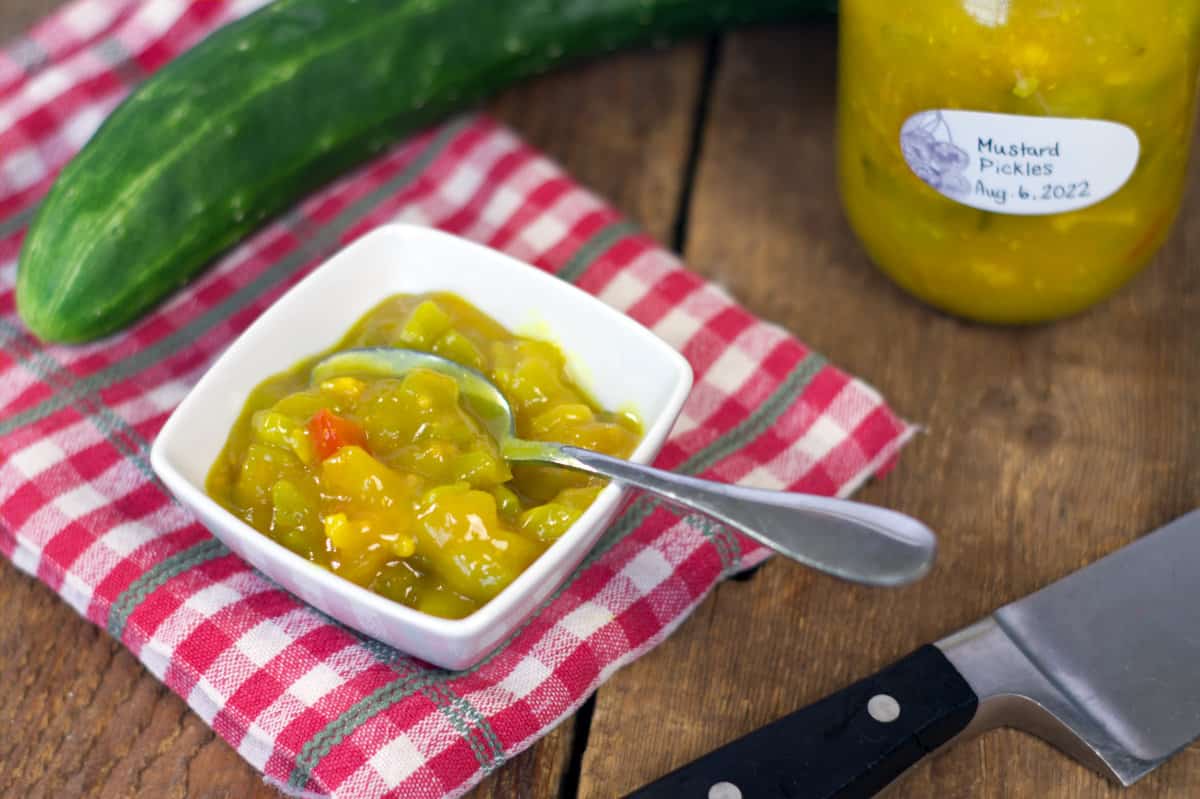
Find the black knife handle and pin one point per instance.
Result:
(837, 748)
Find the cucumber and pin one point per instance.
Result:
(276, 104)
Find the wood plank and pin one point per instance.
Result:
(1045, 448)
(86, 718)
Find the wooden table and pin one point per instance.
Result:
(1044, 449)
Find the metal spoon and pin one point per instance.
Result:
(851, 540)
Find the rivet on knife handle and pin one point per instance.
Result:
(846, 746)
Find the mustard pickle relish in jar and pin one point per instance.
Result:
(1015, 160)
(392, 484)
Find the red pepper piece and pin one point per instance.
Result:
(330, 432)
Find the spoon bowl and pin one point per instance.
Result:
(857, 542)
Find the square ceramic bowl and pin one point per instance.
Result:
(621, 363)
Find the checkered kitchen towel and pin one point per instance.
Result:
(312, 705)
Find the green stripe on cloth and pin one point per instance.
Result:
(115, 430)
(446, 700)
(14, 222)
(466, 719)
(753, 426)
(728, 547)
(749, 429)
(154, 578)
(28, 55)
(761, 419)
(323, 239)
(350, 719)
(121, 61)
(413, 679)
(593, 248)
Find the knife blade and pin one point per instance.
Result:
(1102, 664)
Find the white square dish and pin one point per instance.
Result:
(621, 363)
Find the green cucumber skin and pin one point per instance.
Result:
(274, 105)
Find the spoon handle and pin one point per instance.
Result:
(862, 543)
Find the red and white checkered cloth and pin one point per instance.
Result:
(314, 706)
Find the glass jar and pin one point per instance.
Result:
(1014, 161)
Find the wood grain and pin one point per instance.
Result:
(1044, 449)
(79, 716)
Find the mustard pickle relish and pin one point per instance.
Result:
(392, 484)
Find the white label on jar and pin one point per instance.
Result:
(1015, 164)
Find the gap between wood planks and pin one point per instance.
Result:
(569, 787)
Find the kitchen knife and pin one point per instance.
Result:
(1104, 663)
